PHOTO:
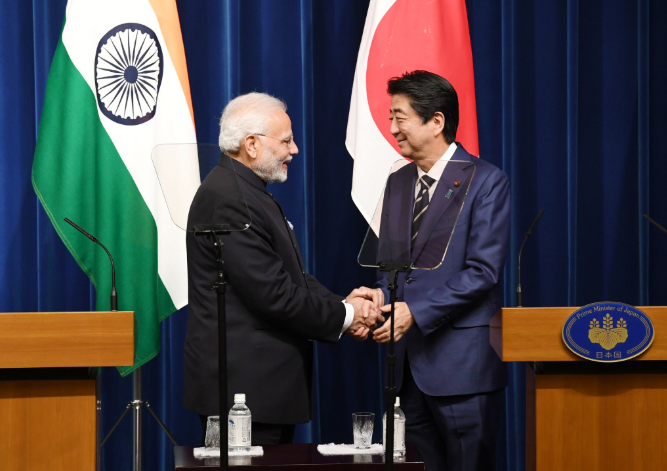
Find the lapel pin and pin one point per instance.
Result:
(449, 193)
(457, 183)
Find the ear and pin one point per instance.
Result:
(438, 123)
(250, 144)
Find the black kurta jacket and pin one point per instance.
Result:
(273, 307)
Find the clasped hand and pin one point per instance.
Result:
(403, 320)
(368, 309)
(367, 303)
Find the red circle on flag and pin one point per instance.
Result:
(423, 35)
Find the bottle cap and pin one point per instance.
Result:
(239, 398)
(398, 401)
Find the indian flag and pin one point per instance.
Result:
(118, 86)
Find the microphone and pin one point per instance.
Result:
(114, 296)
(519, 294)
(655, 223)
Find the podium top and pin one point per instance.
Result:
(535, 334)
(66, 339)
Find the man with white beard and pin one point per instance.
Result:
(274, 308)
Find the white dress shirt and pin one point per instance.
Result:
(436, 171)
(349, 317)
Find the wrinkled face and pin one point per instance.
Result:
(274, 153)
(412, 135)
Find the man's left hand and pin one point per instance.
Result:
(403, 320)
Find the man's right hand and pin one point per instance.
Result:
(374, 294)
(366, 317)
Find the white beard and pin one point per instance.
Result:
(270, 169)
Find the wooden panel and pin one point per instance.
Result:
(66, 339)
(47, 425)
(496, 332)
(535, 334)
(601, 422)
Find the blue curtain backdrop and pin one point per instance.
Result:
(571, 104)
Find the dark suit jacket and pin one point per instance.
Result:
(273, 306)
(448, 347)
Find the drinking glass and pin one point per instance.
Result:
(212, 439)
(362, 429)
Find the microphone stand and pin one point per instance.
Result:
(114, 295)
(220, 287)
(519, 294)
(394, 268)
(136, 402)
(536, 365)
(654, 223)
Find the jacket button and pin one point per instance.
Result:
(409, 280)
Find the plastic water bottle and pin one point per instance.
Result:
(399, 430)
(239, 425)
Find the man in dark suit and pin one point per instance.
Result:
(274, 308)
(446, 202)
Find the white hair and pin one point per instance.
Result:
(244, 115)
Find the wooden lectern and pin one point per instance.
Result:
(583, 415)
(48, 397)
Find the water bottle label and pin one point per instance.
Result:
(240, 430)
(399, 435)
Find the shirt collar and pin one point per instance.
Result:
(436, 171)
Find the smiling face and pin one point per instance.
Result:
(273, 154)
(416, 140)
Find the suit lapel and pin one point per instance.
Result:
(398, 212)
(441, 204)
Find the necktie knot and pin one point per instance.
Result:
(426, 182)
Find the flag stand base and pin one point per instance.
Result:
(136, 405)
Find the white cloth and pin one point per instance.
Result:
(349, 317)
(215, 452)
(345, 449)
(436, 171)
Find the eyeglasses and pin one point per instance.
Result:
(287, 142)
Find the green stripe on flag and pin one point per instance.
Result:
(78, 173)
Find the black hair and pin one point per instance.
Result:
(429, 93)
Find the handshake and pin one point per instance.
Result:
(366, 303)
(368, 308)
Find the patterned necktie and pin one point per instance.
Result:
(421, 204)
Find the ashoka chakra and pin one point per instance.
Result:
(128, 74)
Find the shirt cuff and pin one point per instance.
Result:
(349, 316)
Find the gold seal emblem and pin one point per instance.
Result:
(608, 336)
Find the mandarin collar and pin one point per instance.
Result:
(242, 171)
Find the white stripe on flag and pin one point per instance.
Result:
(363, 136)
(87, 22)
